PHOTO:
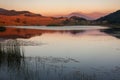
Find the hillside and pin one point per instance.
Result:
(28, 21)
(113, 18)
(20, 18)
(75, 20)
(16, 13)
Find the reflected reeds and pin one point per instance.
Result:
(11, 53)
(14, 66)
(51, 68)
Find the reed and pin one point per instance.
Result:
(11, 52)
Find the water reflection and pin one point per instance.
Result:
(113, 31)
(15, 66)
(14, 33)
(68, 55)
(11, 54)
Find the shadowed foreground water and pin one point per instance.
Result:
(40, 54)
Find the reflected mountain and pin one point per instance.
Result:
(113, 32)
(14, 33)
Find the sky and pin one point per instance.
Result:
(61, 7)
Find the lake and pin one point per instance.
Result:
(59, 53)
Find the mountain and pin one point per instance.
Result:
(113, 18)
(88, 16)
(77, 18)
(82, 15)
(96, 15)
(15, 13)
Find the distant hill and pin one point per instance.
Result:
(15, 13)
(96, 15)
(27, 18)
(113, 18)
(79, 15)
(88, 16)
(75, 20)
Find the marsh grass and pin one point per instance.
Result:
(11, 53)
(19, 67)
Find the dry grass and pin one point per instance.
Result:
(27, 20)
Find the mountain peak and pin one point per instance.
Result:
(79, 14)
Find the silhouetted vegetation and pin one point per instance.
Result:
(65, 22)
(21, 68)
(53, 25)
(11, 52)
(35, 68)
(2, 29)
(74, 20)
(77, 18)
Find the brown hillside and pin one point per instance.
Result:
(28, 20)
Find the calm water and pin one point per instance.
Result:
(59, 53)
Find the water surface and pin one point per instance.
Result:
(60, 53)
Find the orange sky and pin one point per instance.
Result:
(56, 7)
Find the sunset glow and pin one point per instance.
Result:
(58, 7)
